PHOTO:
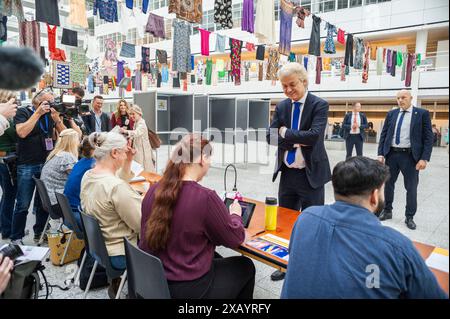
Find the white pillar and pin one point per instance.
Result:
(421, 42)
(421, 47)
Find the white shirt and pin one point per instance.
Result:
(358, 121)
(405, 131)
(126, 18)
(141, 21)
(299, 159)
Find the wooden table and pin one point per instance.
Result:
(150, 178)
(285, 222)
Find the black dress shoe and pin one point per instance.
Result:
(410, 223)
(277, 275)
(385, 214)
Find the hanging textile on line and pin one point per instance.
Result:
(188, 10)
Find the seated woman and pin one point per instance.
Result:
(106, 194)
(73, 184)
(121, 116)
(144, 153)
(183, 222)
(59, 164)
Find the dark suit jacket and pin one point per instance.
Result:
(89, 122)
(313, 124)
(421, 134)
(347, 124)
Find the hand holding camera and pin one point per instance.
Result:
(43, 108)
(70, 107)
(6, 266)
(8, 109)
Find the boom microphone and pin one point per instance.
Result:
(20, 68)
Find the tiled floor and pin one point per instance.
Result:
(432, 217)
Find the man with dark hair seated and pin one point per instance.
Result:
(343, 251)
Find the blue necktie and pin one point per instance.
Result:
(399, 128)
(295, 119)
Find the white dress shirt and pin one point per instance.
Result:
(358, 121)
(405, 131)
(299, 159)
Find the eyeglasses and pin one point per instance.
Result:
(43, 91)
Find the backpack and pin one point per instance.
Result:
(25, 281)
(100, 279)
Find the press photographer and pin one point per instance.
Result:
(36, 128)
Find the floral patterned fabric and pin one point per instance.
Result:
(359, 54)
(330, 48)
(272, 65)
(365, 75)
(235, 55)
(78, 67)
(145, 63)
(189, 10)
(181, 59)
(223, 13)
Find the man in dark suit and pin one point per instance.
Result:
(354, 125)
(298, 128)
(97, 120)
(406, 143)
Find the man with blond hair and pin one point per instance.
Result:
(406, 143)
(298, 126)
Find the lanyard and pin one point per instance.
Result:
(98, 121)
(40, 123)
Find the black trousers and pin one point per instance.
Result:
(354, 140)
(348, 59)
(295, 192)
(402, 162)
(229, 278)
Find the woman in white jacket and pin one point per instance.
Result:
(144, 152)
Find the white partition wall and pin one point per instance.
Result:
(222, 120)
(201, 114)
(169, 115)
(241, 137)
(258, 122)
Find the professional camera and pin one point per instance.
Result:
(69, 106)
(11, 251)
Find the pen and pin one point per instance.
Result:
(258, 233)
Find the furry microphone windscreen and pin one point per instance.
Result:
(20, 68)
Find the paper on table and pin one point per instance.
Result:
(276, 240)
(31, 253)
(136, 168)
(438, 260)
(138, 179)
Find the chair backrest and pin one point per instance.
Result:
(45, 199)
(145, 274)
(68, 216)
(96, 245)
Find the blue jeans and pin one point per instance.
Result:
(9, 192)
(77, 216)
(118, 262)
(25, 189)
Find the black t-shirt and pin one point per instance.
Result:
(31, 149)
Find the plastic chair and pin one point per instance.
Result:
(46, 205)
(69, 218)
(97, 249)
(145, 274)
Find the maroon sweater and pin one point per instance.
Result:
(200, 222)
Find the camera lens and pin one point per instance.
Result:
(11, 251)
